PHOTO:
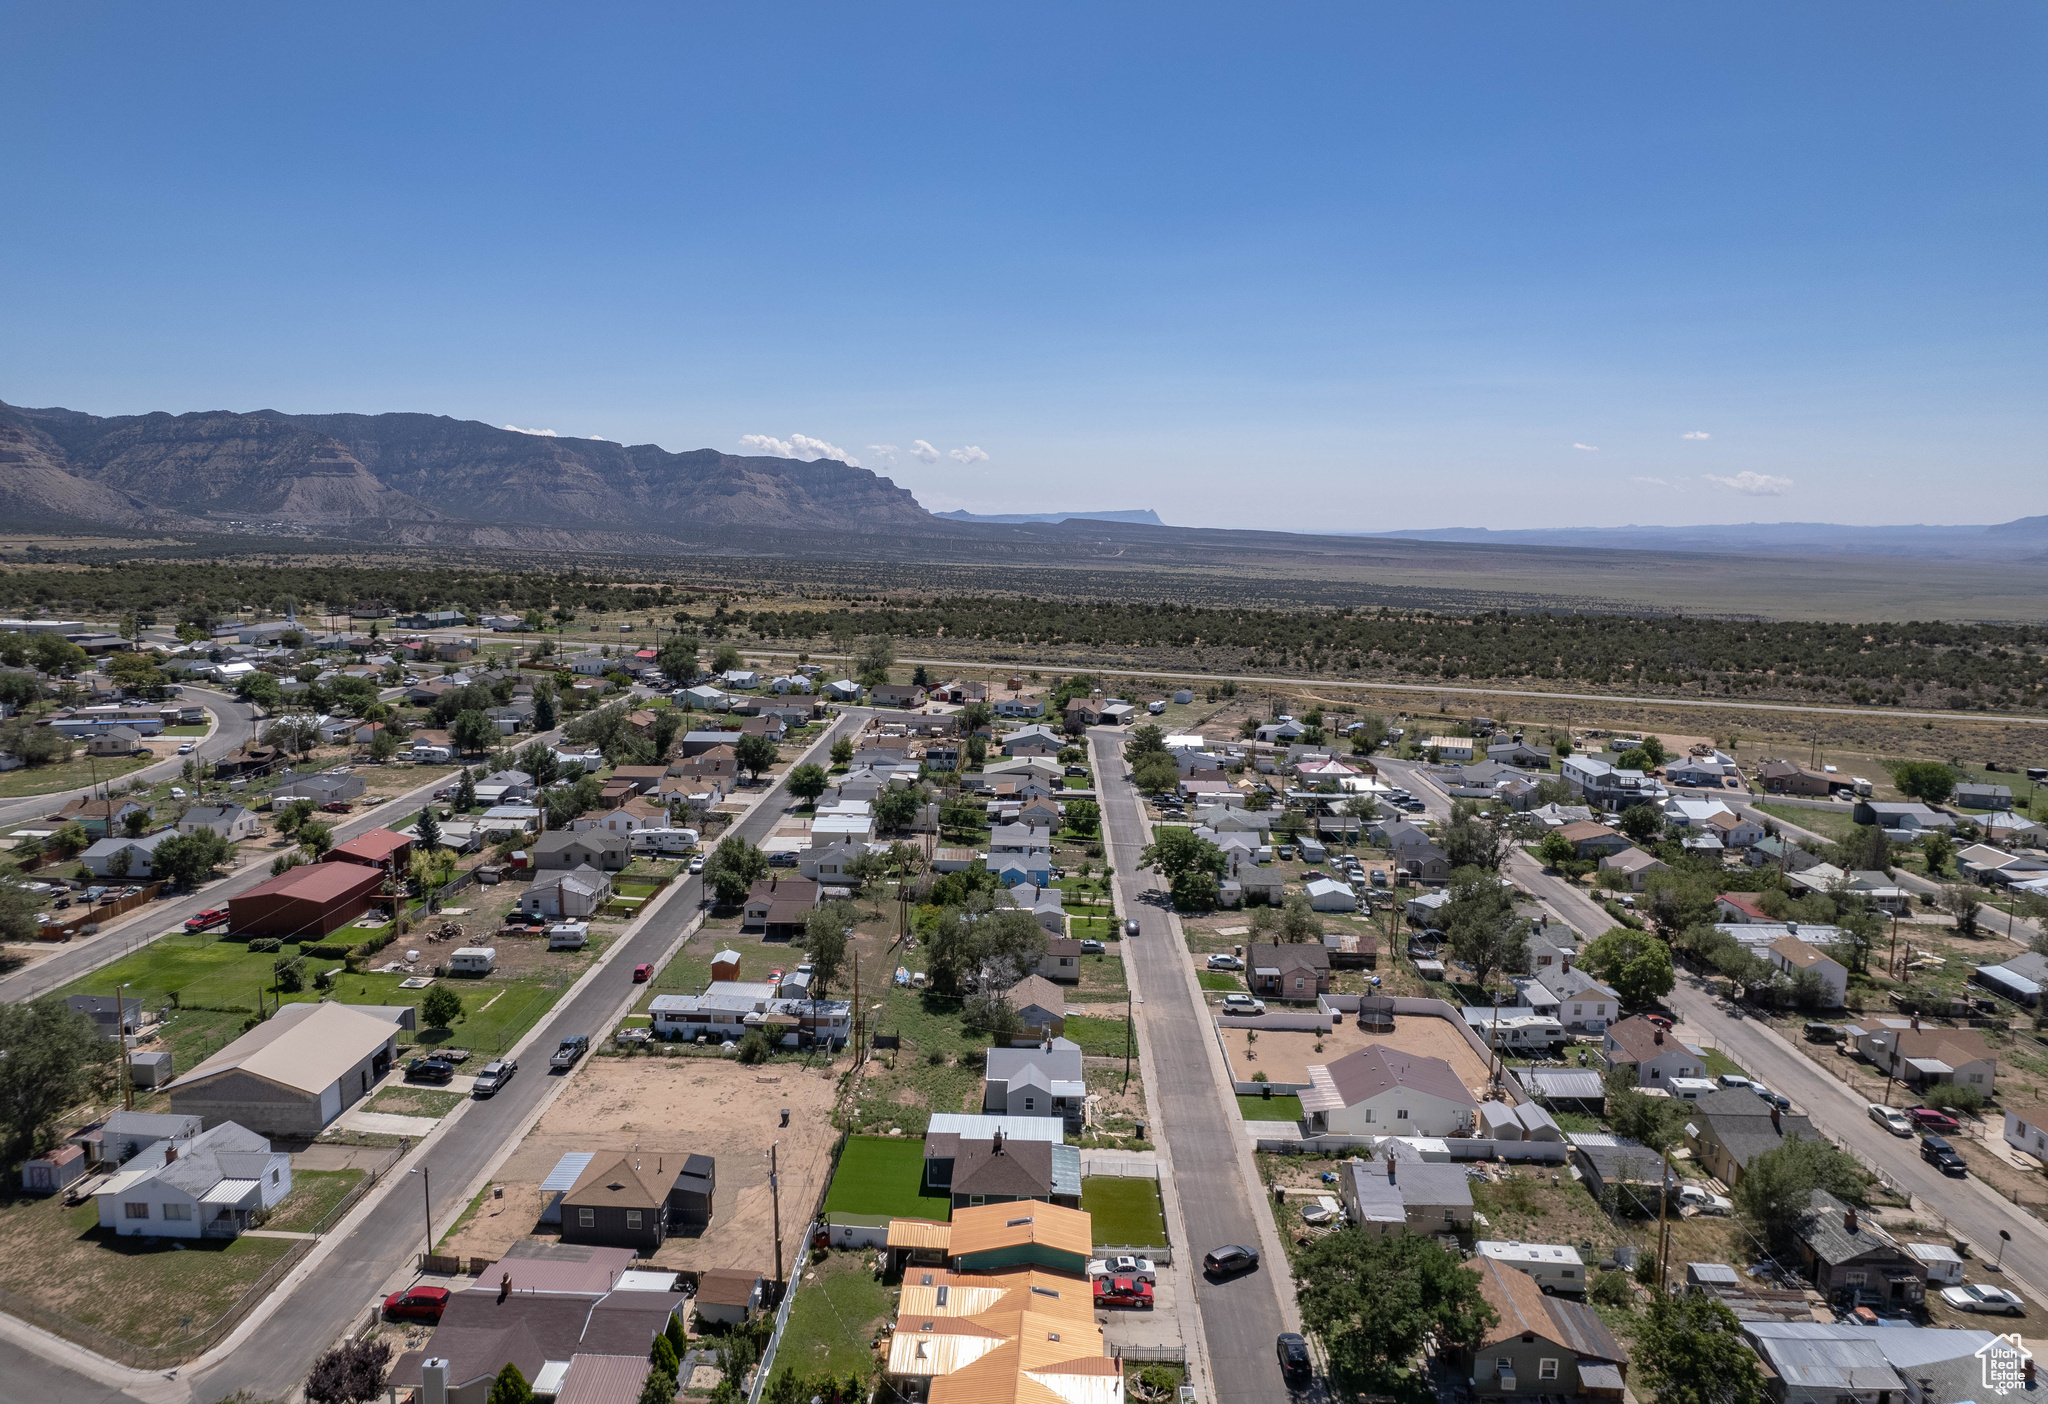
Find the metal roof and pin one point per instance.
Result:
(563, 1177)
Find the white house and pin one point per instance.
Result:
(204, 1186)
(1380, 1091)
(124, 857)
(1656, 1055)
(1450, 748)
(2026, 1128)
(1575, 999)
(1792, 955)
(567, 893)
(230, 821)
(1044, 1081)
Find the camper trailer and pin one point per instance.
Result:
(568, 935)
(473, 960)
(669, 842)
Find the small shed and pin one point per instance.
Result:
(50, 1172)
(560, 1181)
(1944, 1265)
(726, 965)
(151, 1069)
(690, 1197)
(728, 1295)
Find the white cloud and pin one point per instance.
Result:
(887, 451)
(970, 454)
(1752, 484)
(543, 433)
(1697, 434)
(1587, 448)
(1654, 482)
(920, 449)
(801, 447)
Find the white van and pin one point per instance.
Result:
(473, 960)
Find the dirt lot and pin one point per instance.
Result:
(669, 1107)
(1285, 1056)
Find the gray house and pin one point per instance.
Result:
(1399, 1195)
(588, 848)
(1044, 1081)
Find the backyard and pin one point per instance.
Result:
(313, 1197)
(884, 1175)
(840, 1305)
(1270, 1108)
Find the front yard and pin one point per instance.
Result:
(884, 1175)
(313, 1197)
(1125, 1209)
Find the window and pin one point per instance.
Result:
(1546, 1368)
(273, 1177)
(133, 1210)
(1855, 1279)
(1030, 1103)
(177, 1211)
(1401, 1115)
(977, 1199)
(1504, 1366)
(632, 1218)
(1368, 1116)
(586, 1218)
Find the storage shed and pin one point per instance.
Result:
(306, 902)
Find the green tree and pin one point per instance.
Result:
(473, 731)
(1959, 900)
(465, 791)
(544, 715)
(660, 1385)
(677, 1336)
(1480, 922)
(1777, 1187)
(316, 839)
(1156, 774)
(18, 906)
(1375, 1301)
(540, 761)
(808, 781)
(1689, 1350)
(510, 1387)
(727, 659)
(429, 830)
(1679, 898)
(825, 938)
(1196, 891)
(1471, 842)
(1175, 852)
(1866, 849)
(677, 658)
(383, 746)
(1940, 850)
(1083, 816)
(260, 688)
(1636, 963)
(664, 1357)
(295, 813)
(1146, 740)
(896, 809)
(842, 750)
(441, 1006)
(1929, 782)
(1642, 822)
(756, 754)
(50, 1055)
(876, 655)
(734, 867)
(1299, 922)
(1556, 850)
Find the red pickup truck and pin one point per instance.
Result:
(212, 916)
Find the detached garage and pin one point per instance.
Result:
(306, 903)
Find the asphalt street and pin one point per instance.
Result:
(1973, 1211)
(1196, 1117)
(237, 724)
(274, 1359)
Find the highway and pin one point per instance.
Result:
(237, 723)
(1194, 1114)
(270, 1355)
(1972, 1211)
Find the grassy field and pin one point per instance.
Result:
(839, 1305)
(885, 1175)
(400, 1100)
(314, 1195)
(1274, 1108)
(1102, 980)
(1218, 980)
(69, 775)
(1832, 824)
(1126, 1210)
(147, 1293)
(1100, 1037)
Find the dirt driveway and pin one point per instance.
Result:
(669, 1107)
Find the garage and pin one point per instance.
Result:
(306, 903)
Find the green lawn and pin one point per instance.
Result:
(838, 1308)
(885, 1175)
(1273, 1108)
(68, 775)
(188, 730)
(1099, 1037)
(1834, 824)
(1719, 1063)
(1125, 1210)
(314, 1195)
(1218, 980)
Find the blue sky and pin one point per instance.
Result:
(1356, 266)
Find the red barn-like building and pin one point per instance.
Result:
(307, 902)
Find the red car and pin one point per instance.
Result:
(1662, 1021)
(336, 806)
(417, 1304)
(642, 974)
(1928, 1119)
(212, 916)
(1122, 1292)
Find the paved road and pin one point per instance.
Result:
(273, 1361)
(1972, 1210)
(237, 724)
(1196, 1117)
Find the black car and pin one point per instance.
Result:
(1230, 1258)
(1294, 1361)
(1131, 927)
(1940, 1154)
(429, 1070)
(782, 860)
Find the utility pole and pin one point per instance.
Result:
(857, 1058)
(1664, 1224)
(427, 1192)
(1130, 1038)
(775, 1196)
(121, 1029)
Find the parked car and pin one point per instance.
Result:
(494, 1076)
(212, 916)
(1776, 1099)
(697, 864)
(1092, 948)
(573, 1047)
(1131, 927)
(1122, 1292)
(1735, 1080)
(336, 807)
(1138, 1269)
(1931, 1119)
(429, 1069)
(642, 973)
(1295, 1368)
(417, 1304)
(1379, 877)
(1225, 961)
(1942, 1156)
(1704, 1200)
(1230, 1258)
(1891, 1119)
(1243, 1004)
(782, 860)
(1978, 1296)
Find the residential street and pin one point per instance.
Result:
(237, 723)
(1195, 1116)
(271, 1361)
(1973, 1211)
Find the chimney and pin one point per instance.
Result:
(434, 1381)
(1776, 1124)
(1390, 1167)
(999, 1140)
(1660, 1035)
(1849, 1220)
(504, 1286)
(170, 1153)
(1916, 1023)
